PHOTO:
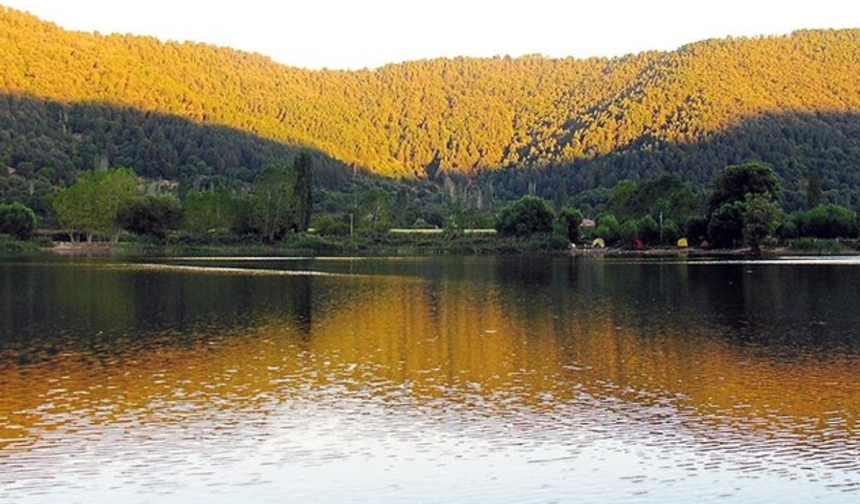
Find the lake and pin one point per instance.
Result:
(429, 380)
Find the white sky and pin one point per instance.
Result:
(370, 33)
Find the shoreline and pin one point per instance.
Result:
(256, 249)
(403, 246)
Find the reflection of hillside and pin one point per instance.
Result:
(239, 342)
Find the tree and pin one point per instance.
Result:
(697, 229)
(17, 220)
(735, 187)
(273, 207)
(560, 200)
(628, 232)
(649, 230)
(375, 210)
(760, 220)
(624, 202)
(327, 225)
(570, 220)
(151, 215)
(725, 227)
(670, 232)
(827, 221)
(813, 190)
(735, 182)
(91, 205)
(525, 217)
(207, 211)
(303, 167)
(607, 227)
(666, 194)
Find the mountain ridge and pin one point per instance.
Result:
(447, 116)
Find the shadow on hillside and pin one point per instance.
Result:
(48, 141)
(796, 144)
(42, 139)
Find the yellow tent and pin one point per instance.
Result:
(598, 243)
(682, 243)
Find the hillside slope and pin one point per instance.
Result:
(451, 116)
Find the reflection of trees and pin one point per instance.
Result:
(85, 300)
(642, 333)
(92, 304)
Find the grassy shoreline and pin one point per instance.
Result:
(403, 245)
(378, 245)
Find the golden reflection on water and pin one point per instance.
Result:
(433, 344)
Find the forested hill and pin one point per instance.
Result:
(597, 119)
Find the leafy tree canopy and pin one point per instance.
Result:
(525, 217)
(736, 182)
(91, 205)
(18, 221)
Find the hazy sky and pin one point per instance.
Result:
(369, 33)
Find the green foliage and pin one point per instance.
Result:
(527, 216)
(327, 225)
(10, 247)
(761, 217)
(151, 215)
(18, 221)
(666, 194)
(303, 167)
(826, 221)
(670, 232)
(569, 222)
(209, 211)
(725, 227)
(607, 227)
(813, 190)
(375, 211)
(787, 229)
(649, 230)
(736, 182)
(628, 233)
(697, 229)
(272, 211)
(743, 206)
(823, 246)
(624, 202)
(91, 205)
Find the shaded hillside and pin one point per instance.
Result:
(799, 146)
(46, 144)
(54, 141)
(599, 119)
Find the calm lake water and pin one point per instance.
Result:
(428, 380)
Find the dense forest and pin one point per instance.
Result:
(485, 129)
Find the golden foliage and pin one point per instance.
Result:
(455, 115)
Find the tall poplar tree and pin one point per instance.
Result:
(303, 166)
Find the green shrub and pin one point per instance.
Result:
(527, 216)
(17, 220)
(327, 225)
(826, 221)
(568, 223)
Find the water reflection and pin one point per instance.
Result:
(652, 374)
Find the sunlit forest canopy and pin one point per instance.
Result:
(787, 100)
